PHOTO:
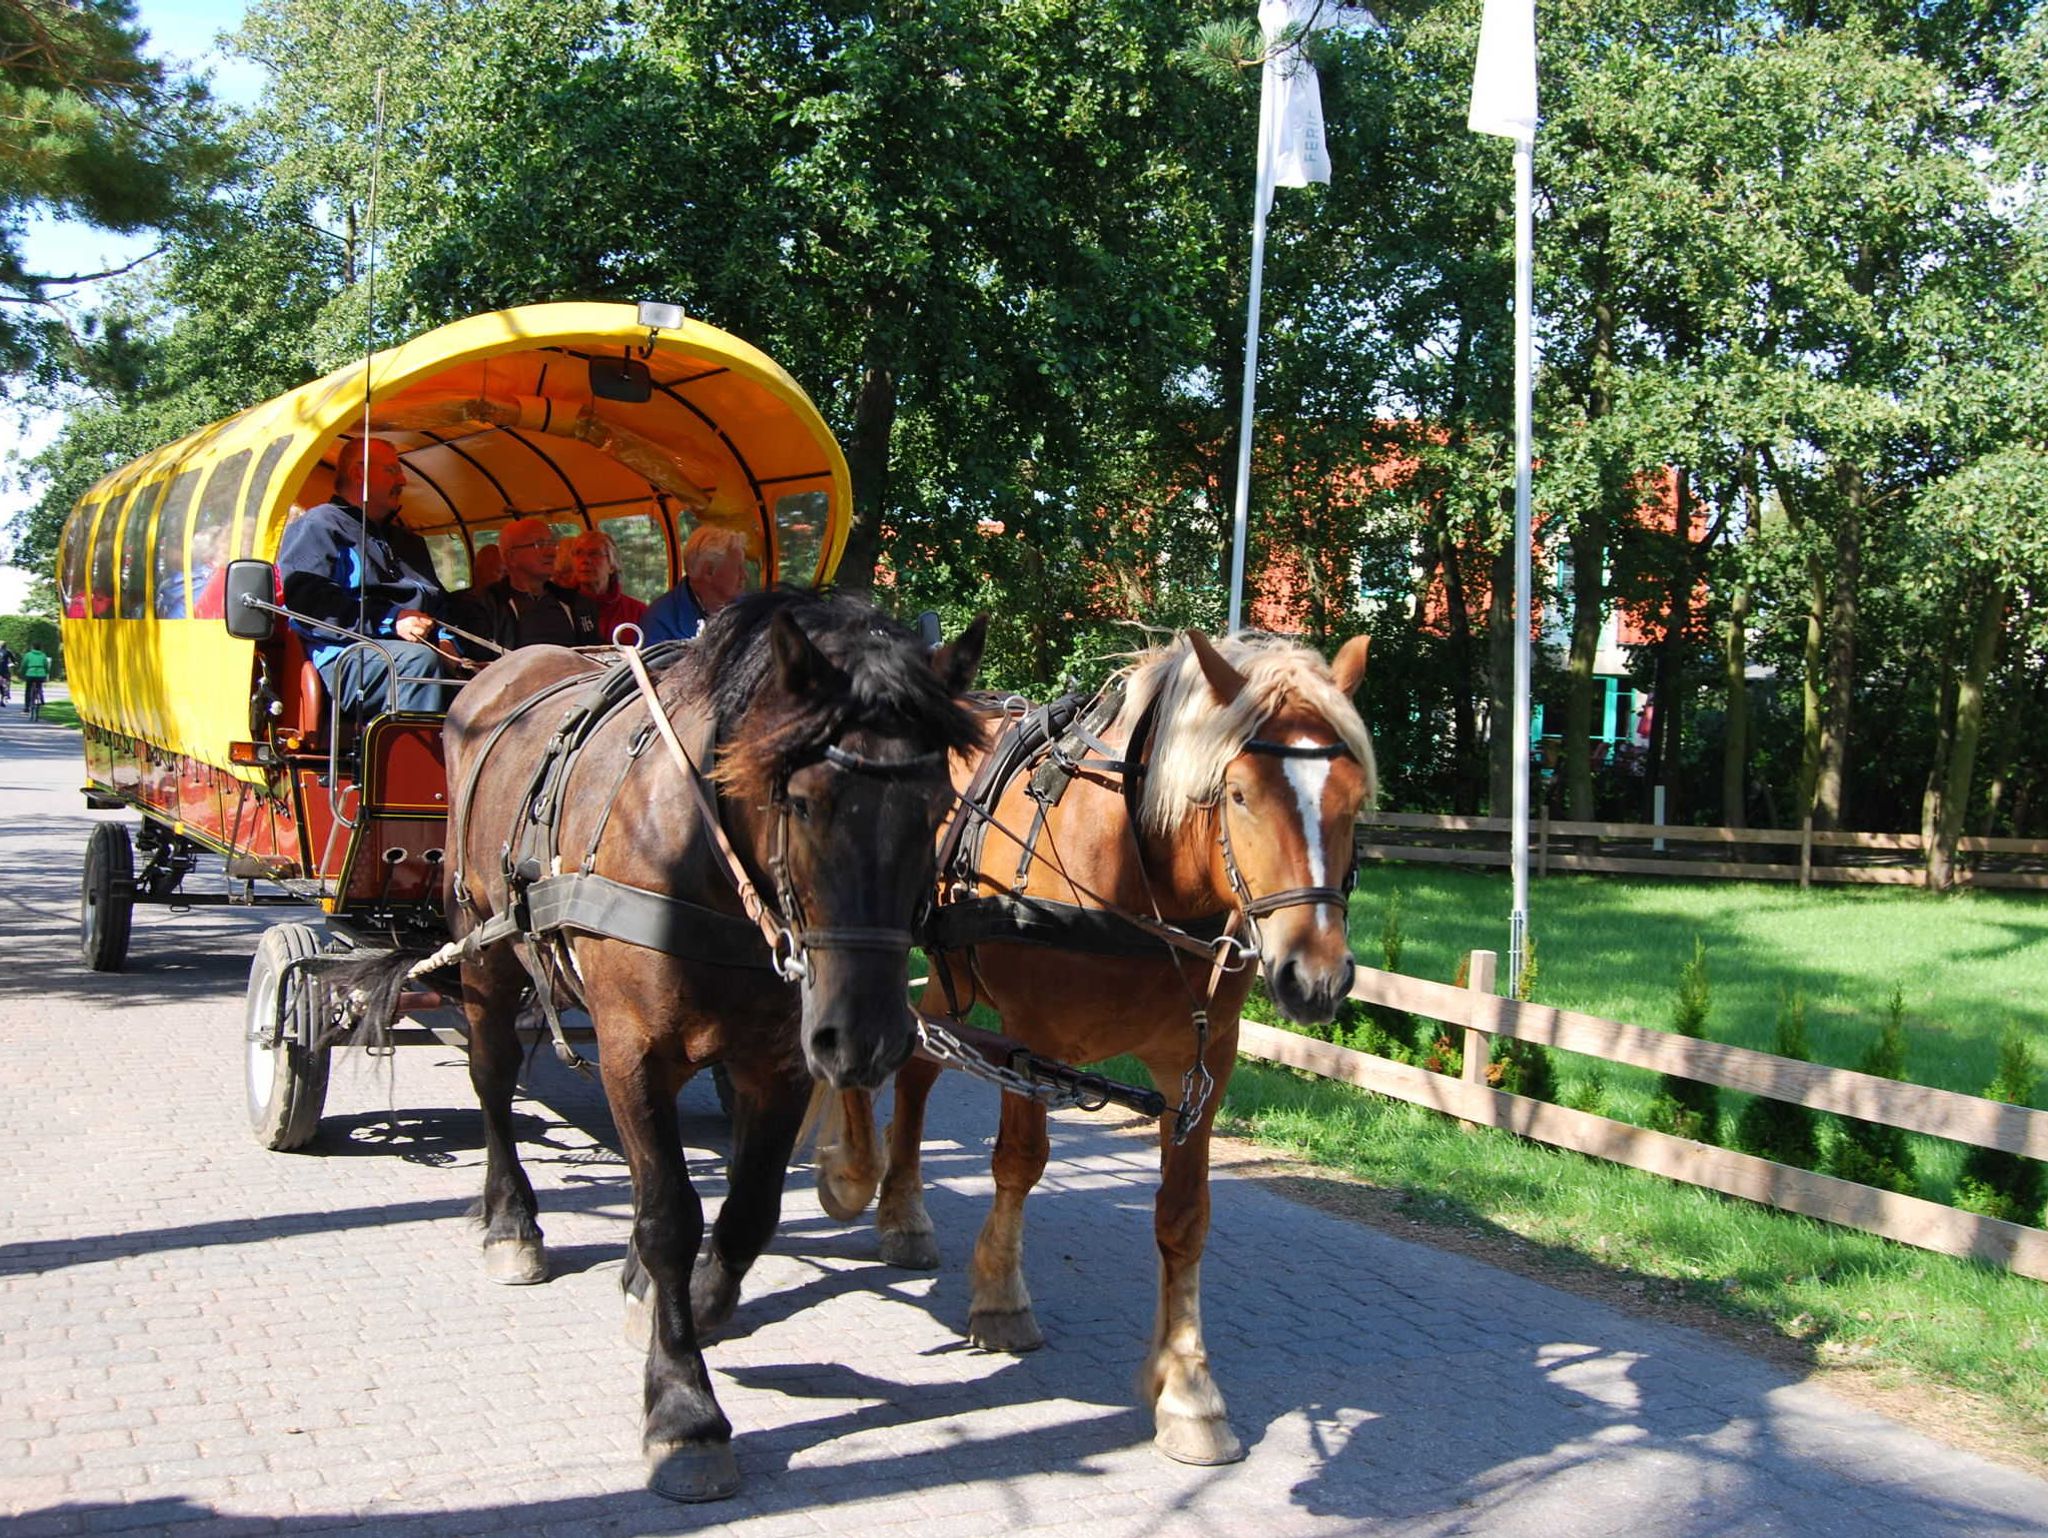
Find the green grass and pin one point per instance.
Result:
(56, 713)
(1969, 965)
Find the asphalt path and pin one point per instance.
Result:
(197, 1336)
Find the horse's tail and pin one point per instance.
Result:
(362, 993)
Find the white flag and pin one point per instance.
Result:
(1504, 83)
(1294, 153)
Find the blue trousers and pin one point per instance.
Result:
(360, 680)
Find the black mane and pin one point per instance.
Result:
(890, 685)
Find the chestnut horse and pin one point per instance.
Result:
(826, 729)
(1251, 766)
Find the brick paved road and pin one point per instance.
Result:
(199, 1336)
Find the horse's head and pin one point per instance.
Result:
(836, 726)
(1264, 732)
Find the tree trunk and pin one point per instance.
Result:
(1589, 593)
(1944, 739)
(1831, 780)
(1735, 741)
(1955, 796)
(1458, 619)
(867, 457)
(1810, 682)
(1667, 725)
(1500, 682)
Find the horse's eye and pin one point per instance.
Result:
(800, 808)
(1237, 794)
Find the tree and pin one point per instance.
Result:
(90, 130)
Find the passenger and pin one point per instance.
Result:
(372, 574)
(488, 566)
(524, 607)
(209, 575)
(714, 574)
(590, 564)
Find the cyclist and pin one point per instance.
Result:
(35, 672)
(6, 671)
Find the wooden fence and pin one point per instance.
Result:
(1481, 1015)
(1658, 849)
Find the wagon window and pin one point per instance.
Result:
(451, 559)
(213, 520)
(801, 519)
(134, 554)
(100, 592)
(643, 555)
(259, 492)
(173, 595)
(71, 560)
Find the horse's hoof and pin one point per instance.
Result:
(516, 1262)
(638, 1328)
(1204, 1442)
(1014, 1330)
(843, 1200)
(909, 1249)
(692, 1471)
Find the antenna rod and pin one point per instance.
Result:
(369, 352)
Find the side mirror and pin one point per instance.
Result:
(247, 580)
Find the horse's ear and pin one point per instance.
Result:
(1223, 678)
(1348, 666)
(804, 668)
(956, 661)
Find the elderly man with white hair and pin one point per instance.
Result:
(714, 573)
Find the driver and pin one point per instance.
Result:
(350, 562)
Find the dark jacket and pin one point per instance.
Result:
(555, 616)
(323, 575)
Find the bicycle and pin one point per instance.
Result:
(6, 689)
(32, 698)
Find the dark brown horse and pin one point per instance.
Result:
(1251, 765)
(830, 728)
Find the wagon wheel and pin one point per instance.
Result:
(106, 898)
(287, 1082)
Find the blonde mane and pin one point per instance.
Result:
(1194, 737)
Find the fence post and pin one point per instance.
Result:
(1543, 842)
(1657, 815)
(1479, 974)
(1806, 851)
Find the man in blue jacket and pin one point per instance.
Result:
(714, 574)
(350, 562)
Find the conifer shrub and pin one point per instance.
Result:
(1780, 1129)
(1523, 1067)
(1994, 1182)
(1686, 1107)
(1591, 1094)
(1869, 1152)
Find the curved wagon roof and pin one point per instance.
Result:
(520, 411)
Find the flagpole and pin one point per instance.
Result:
(1262, 198)
(1525, 344)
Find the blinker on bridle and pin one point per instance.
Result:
(788, 952)
(1292, 897)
